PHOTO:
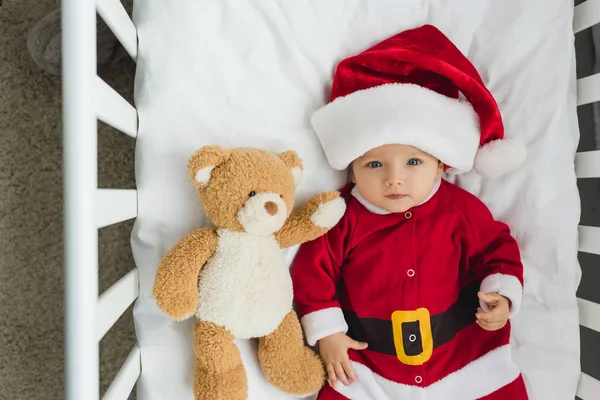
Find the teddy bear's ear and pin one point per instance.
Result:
(203, 162)
(294, 163)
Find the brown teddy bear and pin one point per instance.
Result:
(234, 279)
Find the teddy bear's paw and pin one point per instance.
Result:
(184, 308)
(310, 368)
(287, 363)
(176, 304)
(300, 372)
(328, 213)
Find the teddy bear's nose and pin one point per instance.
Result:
(271, 207)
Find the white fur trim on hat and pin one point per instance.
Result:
(446, 128)
(499, 157)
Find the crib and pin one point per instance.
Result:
(87, 98)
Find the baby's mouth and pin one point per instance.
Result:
(396, 196)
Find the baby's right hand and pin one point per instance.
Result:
(334, 353)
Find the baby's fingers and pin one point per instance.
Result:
(339, 371)
(353, 344)
(349, 370)
(498, 314)
(331, 375)
(494, 315)
(484, 325)
(484, 316)
(491, 326)
(490, 298)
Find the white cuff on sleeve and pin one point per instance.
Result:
(322, 323)
(506, 285)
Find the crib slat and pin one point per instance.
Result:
(115, 205)
(117, 19)
(114, 110)
(589, 239)
(588, 89)
(585, 15)
(123, 384)
(589, 314)
(587, 164)
(589, 388)
(114, 301)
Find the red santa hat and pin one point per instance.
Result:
(405, 90)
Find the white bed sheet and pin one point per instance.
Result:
(250, 72)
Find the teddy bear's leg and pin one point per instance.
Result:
(287, 363)
(219, 373)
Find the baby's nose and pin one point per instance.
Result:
(271, 207)
(395, 179)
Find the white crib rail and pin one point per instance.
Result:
(115, 205)
(588, 89)
(588, 387)
(85, 98)
(589, 239)
(126, 378)
(587, 165)
(115, 301)
(116, 18)
(589, 314)
(80, 177)
(586, 15)
(114, 110)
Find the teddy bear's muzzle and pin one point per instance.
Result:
(271, 208)
(263, 214)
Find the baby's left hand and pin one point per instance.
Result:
(497, 317)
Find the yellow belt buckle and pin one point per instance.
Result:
(421, 315)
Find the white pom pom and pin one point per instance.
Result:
(499, 157)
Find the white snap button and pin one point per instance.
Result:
(412, 338)
(418, 379)
(410, 272)
(408, 214)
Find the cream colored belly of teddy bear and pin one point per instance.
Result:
(246, 285)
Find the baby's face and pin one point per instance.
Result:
(396, 177)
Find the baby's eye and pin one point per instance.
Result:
(414, 162)
(374, 164)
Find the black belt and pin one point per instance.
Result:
(412, 335)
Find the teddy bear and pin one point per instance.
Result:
(233, 277)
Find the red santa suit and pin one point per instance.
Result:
(407, 285)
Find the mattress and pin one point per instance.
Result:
(250, 72)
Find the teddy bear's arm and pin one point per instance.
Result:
(316, 218)
(176, 283)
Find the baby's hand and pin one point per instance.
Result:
(334, 353)
(497, 317)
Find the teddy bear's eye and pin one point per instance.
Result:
(252, 194)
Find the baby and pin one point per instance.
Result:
(409, 296)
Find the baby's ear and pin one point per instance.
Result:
(294, 163)
(202, 163)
